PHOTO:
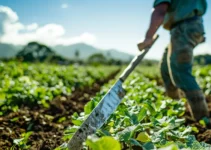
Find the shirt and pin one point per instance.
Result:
(180, 10)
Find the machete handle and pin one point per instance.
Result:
(141, 45)
(136, 60)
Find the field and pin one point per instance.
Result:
(42, 105)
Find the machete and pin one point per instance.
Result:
(106, 106)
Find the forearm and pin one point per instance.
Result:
(157, 19)
(156, 22)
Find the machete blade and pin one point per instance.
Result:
(98, 116)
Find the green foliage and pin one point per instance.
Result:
(104, 143)
(203, 76)
(203, 59)
(146, 118)
(96, 59)
(34, 51)
(29, 84)
(22, 143)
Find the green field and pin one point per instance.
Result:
(42, 105)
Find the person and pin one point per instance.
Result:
(183, 18)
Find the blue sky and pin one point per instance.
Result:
(106, 24)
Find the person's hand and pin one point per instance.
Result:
(147, 43)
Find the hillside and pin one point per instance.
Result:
(86, 50)
(7, 50)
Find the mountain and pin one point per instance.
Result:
(8, 50)
(86, 50)
(116, 54)
(69, 51)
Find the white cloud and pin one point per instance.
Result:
(8, 14)
(64, 6)
(9, 21)
(32, 26)
(84, 38)
(50, 34)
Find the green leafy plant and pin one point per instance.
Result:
(22, 142)
(30, 84)
(146, 118)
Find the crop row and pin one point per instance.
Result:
(146, 118)
(29, 84)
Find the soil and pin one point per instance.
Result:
(46, 123)
(47, 128)
(204, 134)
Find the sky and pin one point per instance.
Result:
(105, 24)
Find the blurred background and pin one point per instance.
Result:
(58, 58)
(82, 31)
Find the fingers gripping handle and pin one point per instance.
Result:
(136, 61)
(142, 45)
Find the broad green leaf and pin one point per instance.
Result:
(148, 146)
(142, 114)
(195, 129)
(62, 119)
(104, 143)
(202, 122)
(171, 147)
(62, 147)
(77, 122)
(143, 137)
(89, 107)
(150, 108)
(127, 133)
(135, 142)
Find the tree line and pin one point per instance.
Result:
(37, 52)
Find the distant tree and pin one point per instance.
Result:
(202, 59)
(34, 51)
(116, 62)
(77, 54)
(97, 58)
